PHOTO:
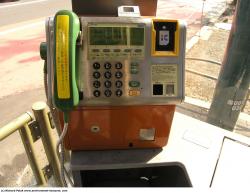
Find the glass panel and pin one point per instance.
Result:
(108, 36)
(137, 36)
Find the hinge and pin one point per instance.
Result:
(47, 172)
(35, 130)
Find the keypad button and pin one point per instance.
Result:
(138, 50)
(107, 84)
(118, 74)
(134, 71)
(134, 68)
(106, 50)
(96, 65)
(107, 75)
(96, 75)
(107, 93)
(134, 93)
(134, 64)
(118, 92)
(96, 84)
(127, 50)
(118, 84)
(117, 50)
(107, 65)
(118, 65)
(97, 93)
(134, 83)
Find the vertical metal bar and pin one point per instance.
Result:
(201, 19)
(233, 82)
(29, 148)
(41, 115)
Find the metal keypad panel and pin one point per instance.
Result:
(107, 79)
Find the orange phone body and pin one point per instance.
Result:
(125, 127)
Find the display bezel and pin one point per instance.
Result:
(127, 28)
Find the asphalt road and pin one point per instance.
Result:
(12, 17)
(23, 10)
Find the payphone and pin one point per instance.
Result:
(118, 78)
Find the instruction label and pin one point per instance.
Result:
(62, 56)
(165, 74)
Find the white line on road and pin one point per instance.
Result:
(23, 3)
(6, 32)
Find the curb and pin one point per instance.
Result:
(199, 110)
(206, 105)
(204, 33)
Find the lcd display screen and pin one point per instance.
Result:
(137, 36)
(108, 35)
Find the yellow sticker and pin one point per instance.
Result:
(62, 56)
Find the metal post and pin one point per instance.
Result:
(29, 148)
(41, 115)
(232, 86)
(21, 124)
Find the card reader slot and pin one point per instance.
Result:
(165, 35)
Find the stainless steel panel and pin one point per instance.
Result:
(144, 76)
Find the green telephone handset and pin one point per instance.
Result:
(67, 28)
(66, 96)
